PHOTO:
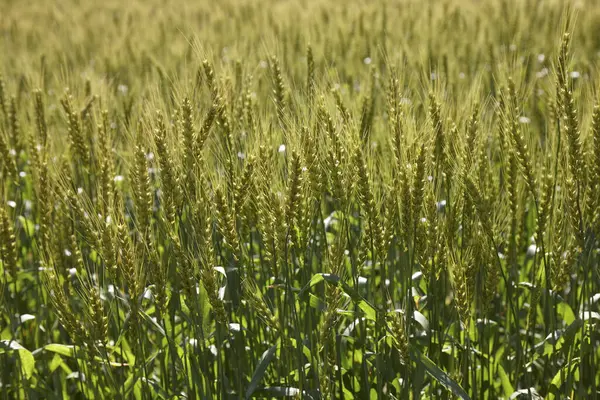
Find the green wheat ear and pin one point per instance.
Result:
(593, 204)
(210, 77)
(226, 223)
(3, 105)
(279, 89)
(310, 77)
(14, 124)
(76, 138)
(141, 187)
(8, 165)
(520, 147)
(170, 182)
(435, 112)
(9, 244)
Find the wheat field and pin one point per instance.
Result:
(300, 199)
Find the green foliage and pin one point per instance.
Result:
(243, 199)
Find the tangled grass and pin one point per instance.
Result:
(300, 199)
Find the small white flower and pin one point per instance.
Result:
(531, 250)
(123, 89)
(12, 152)
(67, 252)
(119, 178)
(461, 75)
(524, 120)
(11, 203)
(150, 156)
(241, 155)
(281, 148)
(542, 73)
(79, 190)
(22, 174)
(541, 57)
(367, 60)
(433, 76)
(441, 205)
(575, 74)
(263, 64)
(362, 281)
(72, 271)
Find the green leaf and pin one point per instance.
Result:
(134, 380)
(153, 322)
(56, 362)
(25, 356)
(437, 374)
(159, 392)
(315, 279)
(27, 225)
(506, 385)
(565, 312)
(369, 310)
(62, 349)
(315, 302)
(558, 379)
(260, 370)
(569, 334)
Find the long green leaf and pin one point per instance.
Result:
(260, 370)
(437, 374)
(25, 356)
